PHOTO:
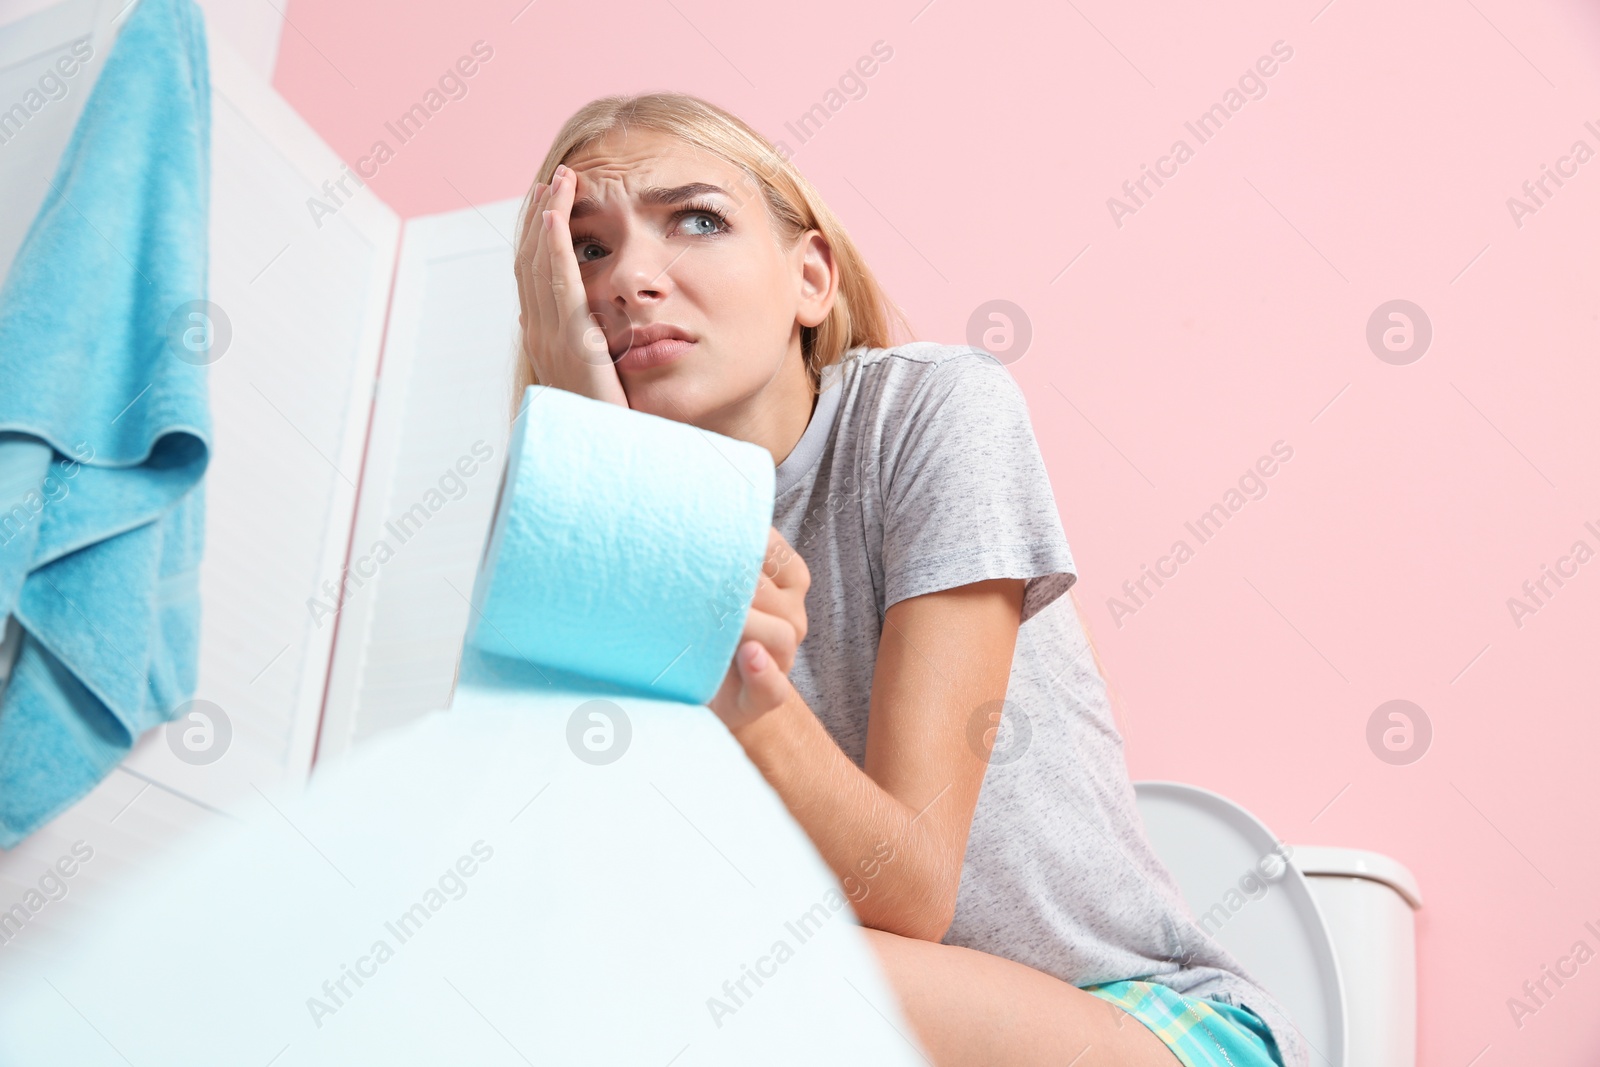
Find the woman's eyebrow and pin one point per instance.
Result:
(655, 196)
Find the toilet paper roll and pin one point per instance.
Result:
(625, 547)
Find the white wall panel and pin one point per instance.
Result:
(444, 388)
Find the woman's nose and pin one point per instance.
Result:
(640, 268)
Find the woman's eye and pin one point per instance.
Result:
(699, 223)
(712, 223)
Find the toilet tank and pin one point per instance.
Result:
(1367, 900)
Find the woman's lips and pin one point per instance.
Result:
(654, 354)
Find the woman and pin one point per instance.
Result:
(670, 261)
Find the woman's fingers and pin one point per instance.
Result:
(786, 604)
(564, 345)
(528, 267)
(548, 320)
(776, 624)
(530, 235)
(752, 687)
(777, 635)
(783, 564)
(782, 585)
(539, 237)
(571, 300)
(763, 686)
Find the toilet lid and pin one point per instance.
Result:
(1230, 869)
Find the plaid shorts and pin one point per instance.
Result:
(1201, 1033)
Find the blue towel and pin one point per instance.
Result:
(105, 431)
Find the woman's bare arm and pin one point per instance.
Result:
(941, 657)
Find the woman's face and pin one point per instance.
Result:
(668, 234)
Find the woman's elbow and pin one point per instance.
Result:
(922, 927)
(927, 919)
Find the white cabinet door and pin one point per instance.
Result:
(438, 441)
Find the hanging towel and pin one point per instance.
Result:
(105, 432)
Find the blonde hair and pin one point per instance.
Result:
(861, 310)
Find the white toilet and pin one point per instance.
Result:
(1330, 933)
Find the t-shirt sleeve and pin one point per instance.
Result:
(968, 497)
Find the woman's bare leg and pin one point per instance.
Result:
(971, 1008)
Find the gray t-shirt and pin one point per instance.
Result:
(919, 471)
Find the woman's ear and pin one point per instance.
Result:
(819, 280)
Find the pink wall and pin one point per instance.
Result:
(1227, 313)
